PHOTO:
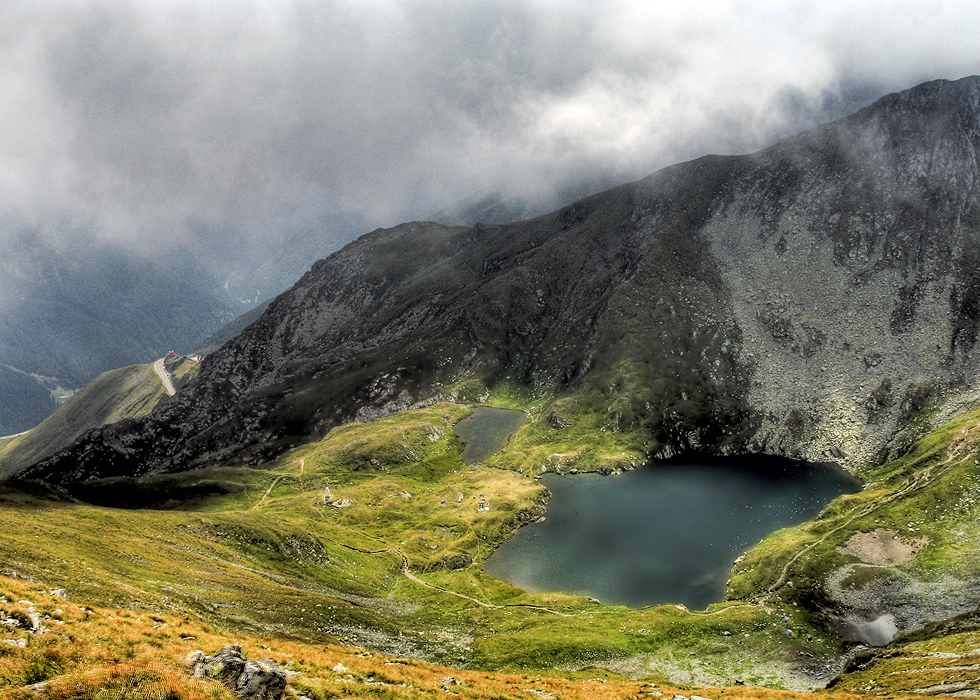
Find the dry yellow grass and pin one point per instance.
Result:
(100, 653)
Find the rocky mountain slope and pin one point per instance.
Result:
(818, 299)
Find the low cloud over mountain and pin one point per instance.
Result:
(230, 119)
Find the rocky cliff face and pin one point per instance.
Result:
(852, 255)
(820, 298)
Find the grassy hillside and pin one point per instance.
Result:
(392, 563)
(96, 652)
(908, 545)
(129, 392)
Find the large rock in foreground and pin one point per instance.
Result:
(247, 679)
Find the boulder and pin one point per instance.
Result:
(247, 679)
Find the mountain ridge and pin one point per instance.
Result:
(673, 312)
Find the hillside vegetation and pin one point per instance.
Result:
(94, 652)
(121, 394)
(392, 563)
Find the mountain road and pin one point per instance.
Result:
(164, 377)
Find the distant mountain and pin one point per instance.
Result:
(25, 399)
(256, 273)
(70, 311)
(818, 299)
(230, 330)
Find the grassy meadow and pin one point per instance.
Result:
(387, 567)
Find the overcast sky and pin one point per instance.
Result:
(145, 117)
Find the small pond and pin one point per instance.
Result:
(486, 431)
(665, 533)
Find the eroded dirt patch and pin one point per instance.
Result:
(882, 547)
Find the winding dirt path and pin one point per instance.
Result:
(278, 580)
(302, 468)
(412, 577)
(267, 492)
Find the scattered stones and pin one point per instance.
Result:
(29, 620)
(247, 679)
(342, 503)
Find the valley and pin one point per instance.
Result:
(304, 488)
(122, 394)
(392, 562)
(74, 307)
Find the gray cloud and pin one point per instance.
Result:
(140, 117)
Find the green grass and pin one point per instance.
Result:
(93, 652)
(929, 498)
(256, 550)
(129, 392)
(944, 660)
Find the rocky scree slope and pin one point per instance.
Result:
(817, 299)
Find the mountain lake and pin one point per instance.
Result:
(486, 431)
(668, 532)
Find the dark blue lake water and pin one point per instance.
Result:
(665, 533)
